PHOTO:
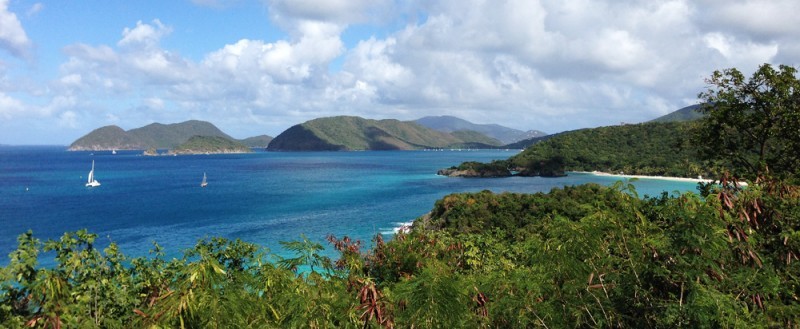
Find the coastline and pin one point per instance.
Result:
(669, 178)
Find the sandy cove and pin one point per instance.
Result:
(676, 179)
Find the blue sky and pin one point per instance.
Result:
(259, 67)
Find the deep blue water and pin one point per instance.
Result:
(264, 197)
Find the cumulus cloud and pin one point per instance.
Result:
(12, 36)
(540, 64)
(10, 107)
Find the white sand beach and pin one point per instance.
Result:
(677, 179)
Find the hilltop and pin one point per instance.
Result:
(155, 136)
(349, 133)
(656, 148)
(210, 144)
(260, 141)
(689, 113)
(450, 124)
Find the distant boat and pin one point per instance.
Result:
(203, 183)
(113, 151)
(91, 182)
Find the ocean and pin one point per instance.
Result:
(263, 197)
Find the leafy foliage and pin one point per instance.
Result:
(753, 126)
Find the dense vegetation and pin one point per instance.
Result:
(753, 126)
(583, 256)
(648, 149)
(348, 133)
(210, 144)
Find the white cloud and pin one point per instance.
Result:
(763, 20)
(68, 119)
(12, 36)
(35, 9)
(144, 36)
(528, 64)
(10, 107)
(746, 54)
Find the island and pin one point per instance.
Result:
(157, 136)
(350, 133)
(210, 145)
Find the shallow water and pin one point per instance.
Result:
(264, 197)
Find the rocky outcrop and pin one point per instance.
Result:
(470, 173)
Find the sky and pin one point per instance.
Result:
(261, 66)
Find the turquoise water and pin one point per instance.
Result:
(264, 197)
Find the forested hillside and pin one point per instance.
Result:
(647, 149)
(155, 135)
(348, 133)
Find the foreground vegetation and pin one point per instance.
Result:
(578, 256)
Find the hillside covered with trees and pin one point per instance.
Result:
(642, 149)
(210, 144)
(348, 133)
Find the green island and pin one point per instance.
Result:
(585, 256)
(159, 136)
(210, 144)
(349, 133)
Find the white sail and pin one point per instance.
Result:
(203, 183)
(91, 182)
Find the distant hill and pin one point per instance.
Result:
(451, 124)
(349, 133)
(657, 148)
(156, 135)
(688, 113)
(260, 141)
(525, 143)
(210, 144)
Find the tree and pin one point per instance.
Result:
(752, 127)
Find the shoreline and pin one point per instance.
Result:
(669, 178)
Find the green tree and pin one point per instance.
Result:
(752, 126)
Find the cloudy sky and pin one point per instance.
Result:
(259, 67)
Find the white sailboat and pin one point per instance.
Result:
(204, 182)
(91, 182)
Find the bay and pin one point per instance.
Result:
(263, 197)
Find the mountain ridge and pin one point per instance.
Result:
(351, 133)
(449, 124)
(154, 135)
